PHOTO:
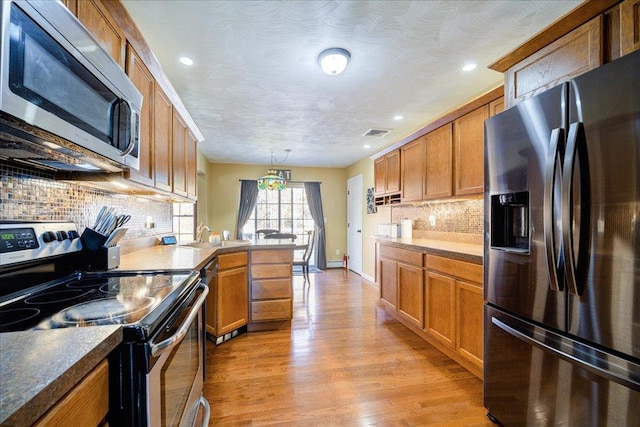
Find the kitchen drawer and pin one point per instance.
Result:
(461, 269)
(404, 255)
(271, 289)
(272, 256)
(237, 259)
(86, 404)
(270, 271)
(264, 311)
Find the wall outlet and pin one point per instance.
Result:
(432, 220)
(337, 251)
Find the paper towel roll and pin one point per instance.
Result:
(406, 228)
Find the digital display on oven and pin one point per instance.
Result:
(18, 239)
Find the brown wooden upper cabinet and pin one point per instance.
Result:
(438, 175)
(179, 155)
(412, 160)
(144, 82)
(630, 26)
(163, 136)
(568, 57)
(192, 165)
(97, 19)
(168, 145)
(387, 173)
(496, 107)
(468, 142)
(184, 159)
(594, 33)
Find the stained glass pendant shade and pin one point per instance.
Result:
(271, 181)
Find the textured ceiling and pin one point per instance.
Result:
(256, 86)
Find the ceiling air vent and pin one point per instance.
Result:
(376, 132)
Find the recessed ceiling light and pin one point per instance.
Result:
(366, 146)
(186, 60)
(398, 117)
(469, 67)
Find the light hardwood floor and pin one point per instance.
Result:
(344, 363)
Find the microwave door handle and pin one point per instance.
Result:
(132, 129)
(175, 339)
(576, 264)
(549, 189)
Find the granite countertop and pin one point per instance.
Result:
(38, 367)
(192, 257)
(469, 252)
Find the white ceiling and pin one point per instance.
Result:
(256, 86)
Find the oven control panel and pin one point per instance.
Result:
(28, 241)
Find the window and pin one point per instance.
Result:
(183, 221)
(285, 210)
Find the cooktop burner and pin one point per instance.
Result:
(108, 311)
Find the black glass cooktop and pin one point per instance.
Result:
(77, 300)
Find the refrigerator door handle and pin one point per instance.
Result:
(576, 264)
(551, 166)
(600, 363)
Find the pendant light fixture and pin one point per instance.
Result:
(334, 61)
(273, 181)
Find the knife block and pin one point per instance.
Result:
(91, 240)
(95, 256)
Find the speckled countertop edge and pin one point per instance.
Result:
(460, 251)
(37, 368)
(182, 257)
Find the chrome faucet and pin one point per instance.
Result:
(199, 230)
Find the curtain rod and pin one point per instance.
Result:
(293, 182)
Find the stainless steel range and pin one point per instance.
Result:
(156, 374)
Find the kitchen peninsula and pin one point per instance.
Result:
(250, 281)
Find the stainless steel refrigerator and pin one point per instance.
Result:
(562, 254)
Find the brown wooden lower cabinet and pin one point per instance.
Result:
(411, 293)
(86, 404)
(271, 289)
(228, 300)
(441, 299)
(440, 308)
(469, 312)
(388, 281)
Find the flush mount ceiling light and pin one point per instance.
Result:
(186, 60)
(273, 181)
(469, 67)
(334, 61)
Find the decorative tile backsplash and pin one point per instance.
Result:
(28, 195)
(460, 216)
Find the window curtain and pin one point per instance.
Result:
(248, 198)
(314, 200)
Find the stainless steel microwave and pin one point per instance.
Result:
(56, 78)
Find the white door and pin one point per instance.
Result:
(354, 223)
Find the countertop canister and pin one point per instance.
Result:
(406, 228)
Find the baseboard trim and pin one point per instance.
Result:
(369, 278)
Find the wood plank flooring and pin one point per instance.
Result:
(343, 363)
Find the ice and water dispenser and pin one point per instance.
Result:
(510, 221)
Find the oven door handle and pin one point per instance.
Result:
(207, 411)
(172, 341)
